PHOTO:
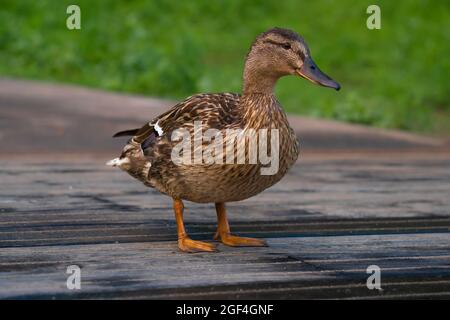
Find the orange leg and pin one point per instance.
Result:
(184, 242)
(223, 232)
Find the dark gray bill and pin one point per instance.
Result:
(310, 71)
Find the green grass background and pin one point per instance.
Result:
(396, 77)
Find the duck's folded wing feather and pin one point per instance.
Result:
(126, 133)
(213, 110)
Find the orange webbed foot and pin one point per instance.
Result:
(188, 245)
(235, 241)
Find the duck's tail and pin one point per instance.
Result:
(131, 132)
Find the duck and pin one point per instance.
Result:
(161, 153)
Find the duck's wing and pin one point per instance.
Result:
(213, 110)
(126, 133)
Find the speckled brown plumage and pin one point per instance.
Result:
(147, 155)
(214, 182)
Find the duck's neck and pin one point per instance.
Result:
(258, 80)
(259, 110)
(259, 106)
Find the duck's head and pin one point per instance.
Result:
(279, 52)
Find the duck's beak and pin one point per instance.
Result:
(311, 72)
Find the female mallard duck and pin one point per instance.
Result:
(153, 154)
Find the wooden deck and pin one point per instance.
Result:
(358, 197)
(326, 222)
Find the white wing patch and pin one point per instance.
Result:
(117, 162)
(158, 129)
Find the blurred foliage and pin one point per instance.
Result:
(396, 77)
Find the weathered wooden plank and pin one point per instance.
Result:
(333, 189)
(289, 266)
(105, 232)
(86, 203)
(398, 213)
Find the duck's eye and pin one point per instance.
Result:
(286, 46)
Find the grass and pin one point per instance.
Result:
(396, 77)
